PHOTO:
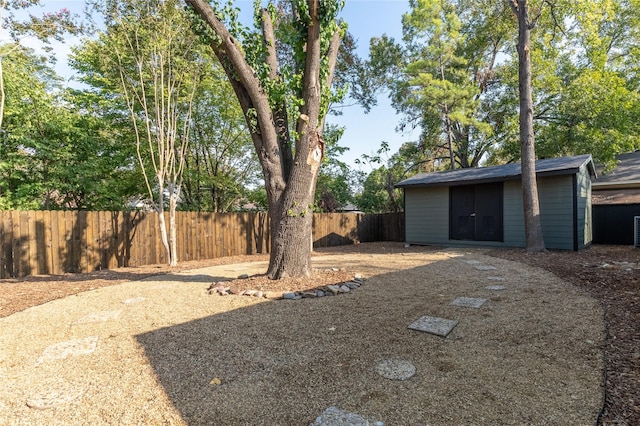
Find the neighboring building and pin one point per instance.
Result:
(349, 208)
(616, 200)
(483, 206)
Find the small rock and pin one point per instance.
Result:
(308, 294)
(320, 293)
(352, 285)
(234, 290)
(258, 294)
(215, 286)
(358, 277)
(222, 291)
(335, 269)
(345, 289)
(243, 276)
(334, 289)
(289, 295)
(250, 292)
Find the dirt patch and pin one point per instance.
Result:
(532, 354)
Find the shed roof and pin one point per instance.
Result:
(468, 176)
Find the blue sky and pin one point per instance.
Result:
(366, 19)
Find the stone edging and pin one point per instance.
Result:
(223, 288)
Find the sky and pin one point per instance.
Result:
(366, 18)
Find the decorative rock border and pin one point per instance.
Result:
(226, 288)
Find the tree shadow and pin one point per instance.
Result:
(304, 356)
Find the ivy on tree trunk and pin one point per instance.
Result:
(290, 156)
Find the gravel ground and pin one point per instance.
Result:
(173, 354)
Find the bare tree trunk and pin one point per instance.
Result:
(532, 225)
(173, 240)
(162, 226)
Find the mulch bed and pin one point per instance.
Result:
(602, 272)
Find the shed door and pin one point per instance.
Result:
(476, 212)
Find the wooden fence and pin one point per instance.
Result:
(55, 242)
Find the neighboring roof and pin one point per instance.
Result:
(625, 175)
(468, 176)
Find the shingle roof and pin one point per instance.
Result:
(547, 167)
(625, 174)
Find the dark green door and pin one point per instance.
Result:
(475, 212)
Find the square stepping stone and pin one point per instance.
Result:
(433, 325)
(133, 300)
(333, 416)
(495, 287)
(472, 262)
(99, 317)
(485, 267)
(469, 302)
(496, 278)
(73, 347)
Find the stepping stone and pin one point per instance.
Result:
(133, 300)
(485, 267)
(495, 287)
(58, 394)
(70, 347)
(469, 302)
(496, 278)
(334, 416)
(434, 325)
(99, 317)
(396, 369)
(472, 262)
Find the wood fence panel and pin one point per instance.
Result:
(54, 242)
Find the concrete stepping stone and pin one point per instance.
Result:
(469, 302)
(396, 369)
(333, 416)
(55, 394)
(495, 287)
(101, 316)
(485, 267)
(133, 300)
(496, 278)
(73, 347)
(433, 325)
(472, 262)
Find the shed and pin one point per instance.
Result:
(616, 201)
(483, 206)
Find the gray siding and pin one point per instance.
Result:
(556, 211)
(427, 215)
(513, 214)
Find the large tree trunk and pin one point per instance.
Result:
(532, 226)
(289, 181)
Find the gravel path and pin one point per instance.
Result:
(164, 351)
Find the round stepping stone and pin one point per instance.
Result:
(54, 395)
(396, 369)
